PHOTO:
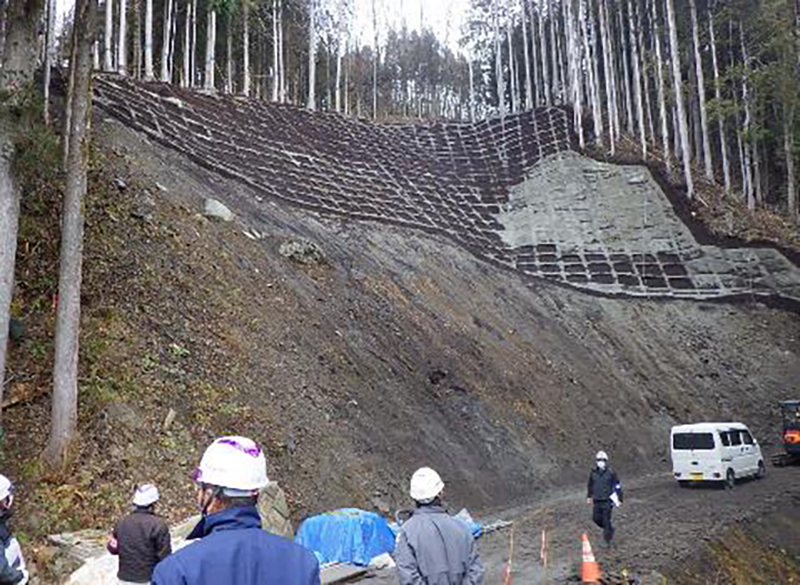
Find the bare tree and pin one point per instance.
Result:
(637, 77)
(662, 98)
(245, 47)
(677, 82)
(186, 78)
(122, 46)
(312, 54)
(48, 55)
(20, 52)
(166, 29)
(723, 136)
(211, 41)
(108, 37)
(65, 369)
(701, 93)
(528, 85)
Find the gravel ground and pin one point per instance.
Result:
(659, 527)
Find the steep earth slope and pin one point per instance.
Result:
(400, 349)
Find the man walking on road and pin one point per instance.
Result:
(141, 539)
(605, 492)
(433, 548)
(230, 547)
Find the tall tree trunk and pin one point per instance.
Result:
(701, 93)
(229, 54)
(626, 72)
(3, 20)
(108, 37)
(471, 89)
(547, 85)
(558, 48)
(186, 79)
(375, 61)
(246, 47)
(211, 42)
(137, 39)
(48, 55)
(662, 98)
(511, 76)
(65, 368)
(723, 138)
(501, 90)
(677, 81)
(609, 70)
(339, 73)
(275, 49)
(528, 84)
(312, 56)
(788, 148)
(536, 84)
(555, 68)
(122, 46)
(20, 52)
(165, 30)
(193, 51)
(148, 40)
(574, 71)
(749, 187)
(586, 17)
(637, 77)
(281, 55)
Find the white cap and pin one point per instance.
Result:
(236, 464)
(145, 495)
(601, 455)
(5, 487)
(425, 485)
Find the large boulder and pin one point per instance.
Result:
(216, 210)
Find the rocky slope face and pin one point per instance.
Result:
(391, 349)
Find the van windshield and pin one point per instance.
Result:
(693, 441)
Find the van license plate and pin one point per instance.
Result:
(697, 477)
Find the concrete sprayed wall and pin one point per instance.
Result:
(511, 190)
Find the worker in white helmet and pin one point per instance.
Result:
(230, 547)
(433, 548)
(141, 539)
(604, 492)
(12, 564)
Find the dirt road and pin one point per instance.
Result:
(659, 527)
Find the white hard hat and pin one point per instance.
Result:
(5, 487)
(601, 455)
(236, 464)
(145, 495)
(425, 485)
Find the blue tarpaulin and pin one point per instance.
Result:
(348, 535)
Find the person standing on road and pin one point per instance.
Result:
(141, 539)
(604, 491)
(12, 564)
(433, 548)
(230, 547)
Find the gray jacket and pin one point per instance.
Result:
(435, 549)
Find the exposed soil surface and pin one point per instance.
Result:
(399, 350)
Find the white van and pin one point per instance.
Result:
(714, 452)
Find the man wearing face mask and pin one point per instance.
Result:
(12, 564)
(604, 491)
(229, 545)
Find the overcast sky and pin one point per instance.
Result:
(443, 16)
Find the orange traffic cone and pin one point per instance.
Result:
(590, 569)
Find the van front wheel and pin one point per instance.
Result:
(762, 470)
(730, 479)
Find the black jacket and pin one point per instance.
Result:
(603, 483)
(142, 541)
(10, 570)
